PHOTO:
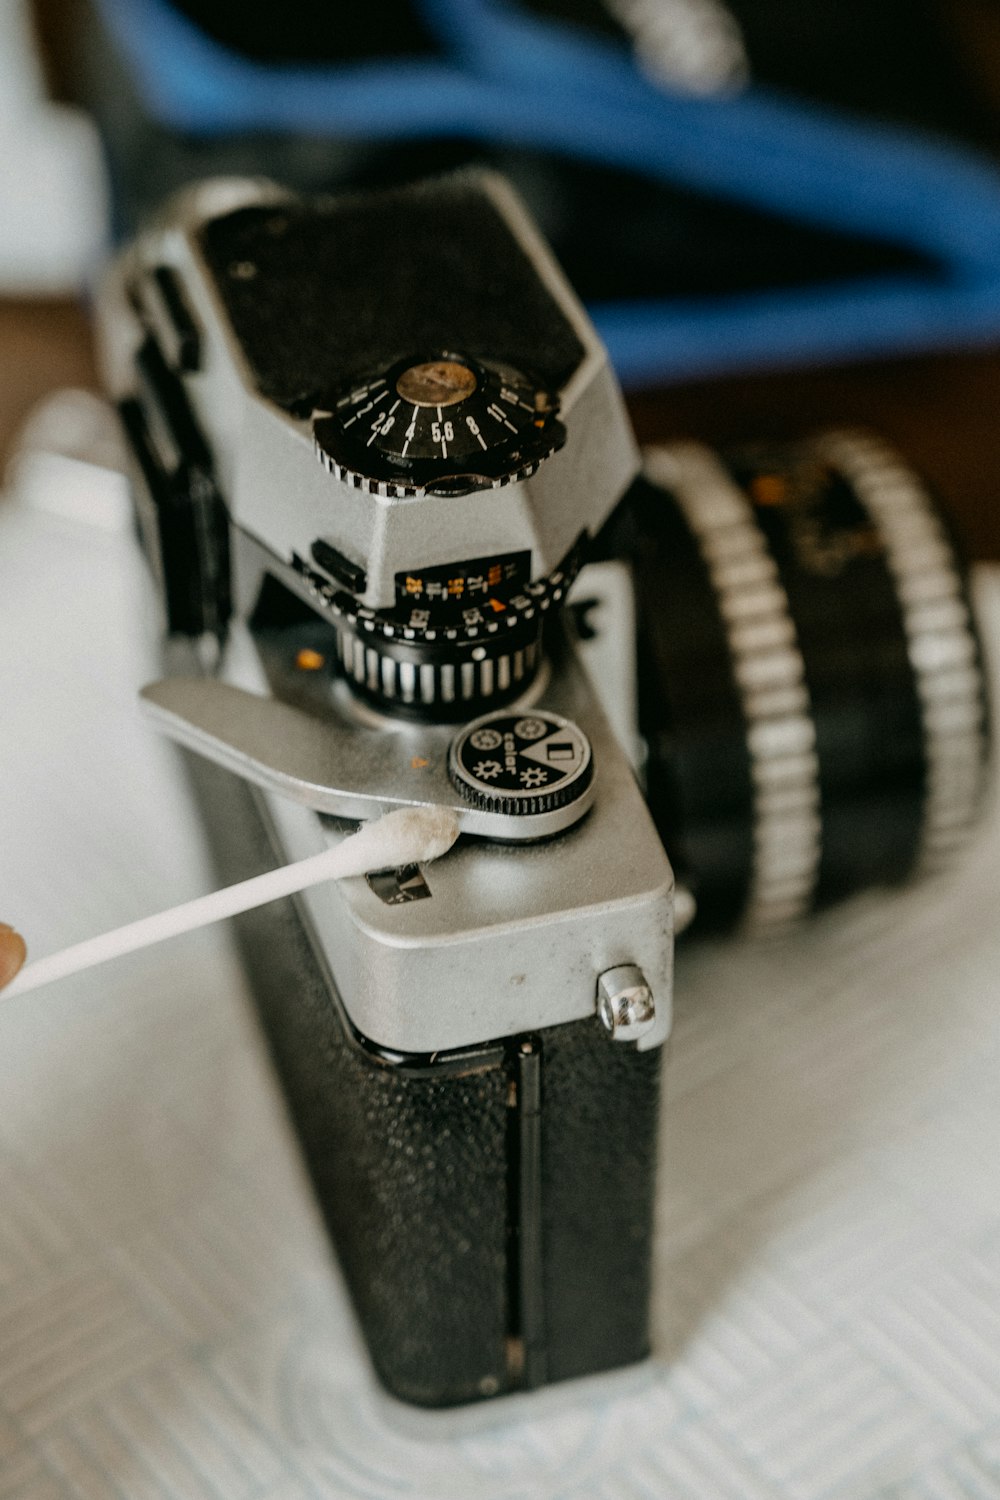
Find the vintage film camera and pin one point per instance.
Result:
(375, 433)
(374, 438)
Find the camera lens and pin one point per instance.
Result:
(811, 686)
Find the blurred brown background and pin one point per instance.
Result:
(943, 410)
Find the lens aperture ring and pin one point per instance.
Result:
(940, 636)
(770, 676)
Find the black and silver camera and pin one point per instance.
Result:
(374, 435)
(375, 439)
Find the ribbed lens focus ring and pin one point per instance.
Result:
(812, 691)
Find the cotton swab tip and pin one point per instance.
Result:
(12, 953)
(405, 836)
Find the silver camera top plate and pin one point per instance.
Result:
(505, 940)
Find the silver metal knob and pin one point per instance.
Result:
(625, 1003)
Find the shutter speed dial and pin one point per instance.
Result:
(438, 423)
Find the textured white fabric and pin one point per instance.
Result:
(827, 1319)
(53, 194)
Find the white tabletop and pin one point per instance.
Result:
(827, 1317)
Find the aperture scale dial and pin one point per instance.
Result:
(438, 423)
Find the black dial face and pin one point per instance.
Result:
(441, 423)
(522, 763)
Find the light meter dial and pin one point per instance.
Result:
(438, 423)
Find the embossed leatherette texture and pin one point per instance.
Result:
(360, 269)
(411, 1169)
(410, 1172)
(599, 1111)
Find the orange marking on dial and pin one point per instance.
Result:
(308, 660)
(769, 489)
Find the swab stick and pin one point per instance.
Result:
(407, 836)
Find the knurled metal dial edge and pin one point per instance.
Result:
(940, 638)
(769, 671)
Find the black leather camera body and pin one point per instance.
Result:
(372, 437)
(491, 1210)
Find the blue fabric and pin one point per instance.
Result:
(507, 78)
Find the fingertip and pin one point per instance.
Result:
(13, 952)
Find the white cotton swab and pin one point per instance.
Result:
(407, 836)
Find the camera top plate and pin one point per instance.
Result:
(511, 939)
